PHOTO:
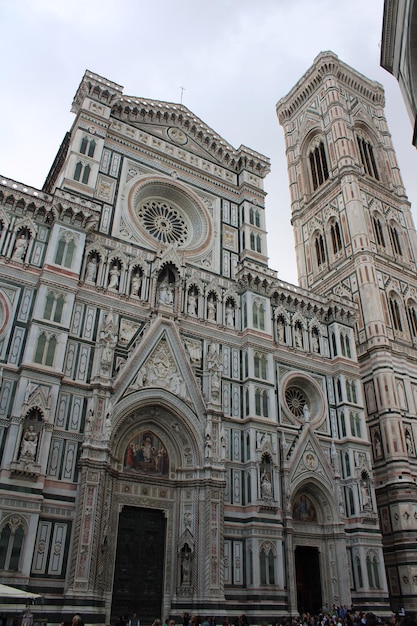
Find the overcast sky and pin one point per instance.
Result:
(235, 59)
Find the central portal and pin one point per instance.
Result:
(307, 571)
(139, 568)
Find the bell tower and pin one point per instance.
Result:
(355, 237)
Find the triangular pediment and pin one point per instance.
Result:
(308, 460)
(176, 125)
(160, 361)
(185, 140)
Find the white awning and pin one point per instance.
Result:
(13, 592)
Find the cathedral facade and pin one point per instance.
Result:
(180, 430)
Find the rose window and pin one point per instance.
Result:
(296, 401)
(163, 222)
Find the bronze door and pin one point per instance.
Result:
(139, 568)
(307, 568)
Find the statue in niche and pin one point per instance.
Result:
(365, 492)
(315, 341)
(298, 333)
(20, 248)
(409, 442)
(186, 566)
(211, 308)
(192, 303)
(306, 412)
(136, 284)
(114, 278)
(230, 313)
(91, 270)
(281, 330)
(166, 293)
(29, 444)
(377, 445)
(266, 486)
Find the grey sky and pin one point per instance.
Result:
(235, 58)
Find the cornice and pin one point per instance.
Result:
(388, 35)
(328, 64)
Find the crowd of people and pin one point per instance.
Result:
(337, 616)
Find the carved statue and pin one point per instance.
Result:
(91, 270)
(136, 284)
(211, 309)
(192, 304)
(20, 248)
(230, 314)
(166, 295)
(266, 487)
(29, 444)
(114, 278)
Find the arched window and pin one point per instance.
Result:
(348, 391)
(366, 153)
(355, 424)
(11, 542)
(247, 407)
(336, 237)
(53, 307)
(347, 464)
(256, 362)
(258, 243)
(379, 233)
(370, 571)
(345, 345)
(88, 146)
(395, 313)
(375, 569)
(264, 367)
(351, 501)
(82, 172)
(320, 253)
(395, 239)
(359, 571)
(50, 352)
(334, 345)
(252, 241)
(65, 251)
(261, 317)
(258, 315)
(251, 216)
(258, 402)
(265, 403)
(342, 424)
(267, 566)
(257, 219)
(318, 166)
(412, 317)
(348, 352)
(339, 390)
(45, 350)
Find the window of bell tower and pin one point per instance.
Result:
(366, 153)
(318, 165)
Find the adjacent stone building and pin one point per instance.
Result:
(180, 429)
